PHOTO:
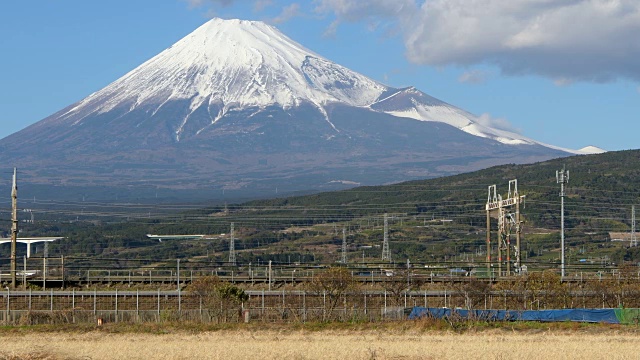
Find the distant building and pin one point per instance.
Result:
(621, 236)
(174, 237)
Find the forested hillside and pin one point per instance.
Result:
(429, 220)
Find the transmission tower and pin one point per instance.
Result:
(562, 177)
(386, 253)
(344, 245)
(232, 248)
(634, 240)
(506, 221)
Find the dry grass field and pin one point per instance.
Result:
(287, 343)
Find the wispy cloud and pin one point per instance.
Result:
(288, 12)
(200, 3)
(358, 10)
(473, 77)
(376, 14)
(563, 81)
(260, 5)
(331, 30)
(497, 123)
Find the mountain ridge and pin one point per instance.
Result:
(228, 64)
(238, 104)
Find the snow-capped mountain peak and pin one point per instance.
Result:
(236, 64)
(238, 105)
(227, 65)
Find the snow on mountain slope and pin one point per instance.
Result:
(238, 105)
(591, 150)
(414, 104)
(227, 65)
(236, 64)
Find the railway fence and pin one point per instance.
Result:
(362, 305)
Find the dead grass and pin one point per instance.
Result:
(28, 356)
(288, 343)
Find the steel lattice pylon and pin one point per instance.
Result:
(386, 253)
(506, 221)
(232, 247)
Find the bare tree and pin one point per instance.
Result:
(474, 291)
(222, 300)
(398, 282)
(334, 284)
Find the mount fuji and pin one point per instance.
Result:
(238, 106)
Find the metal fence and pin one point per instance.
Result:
(50, 307)
(53, 271)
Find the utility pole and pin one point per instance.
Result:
(518, 236)
(344, 246)
(386, 253)
(269, 275)
(562, 177)
(178, 274)
(634, 240)
(14, 226)
(232, 248)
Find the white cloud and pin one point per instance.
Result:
(496, 123)
(194, 3)
(565, 40)
(563, 81)
(199, 3)
(288, 12)
(357, 10)
(260, 5)
(473, 77)
(331, 30)
(212, 5)
(375, 13)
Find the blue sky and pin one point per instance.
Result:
(562, 72)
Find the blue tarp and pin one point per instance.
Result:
(577, 315)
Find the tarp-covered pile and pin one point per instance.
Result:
(609, 316)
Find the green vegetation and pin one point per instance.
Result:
(431, 221)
